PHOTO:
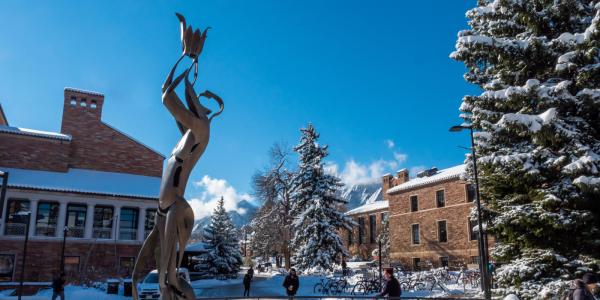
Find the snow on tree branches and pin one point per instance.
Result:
(538, 139)
(223, 256)
(316, 208)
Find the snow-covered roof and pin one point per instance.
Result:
(196, 247)
(377, 205)
(85, 181)
(439, 176)
(84, 91)
(36, 133)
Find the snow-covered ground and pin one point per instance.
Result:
(264, 284)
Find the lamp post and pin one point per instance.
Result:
(28, 215)
(4, 176)
(62, 254)
(482, 240)
(380, 267)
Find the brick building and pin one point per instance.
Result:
(429, 218)
(95, 181)
(362, 240)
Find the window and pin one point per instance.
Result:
(416, 262)
(45, 222)
(474, 260)
(83, 103)
(384, 217)
(126, 265)
(76, 220)
(73, 101)
(94, 104)
(415, 234)
(7, 267)
(372, 229)
(471, 192)
(472, 231)
(442, 232)
(439, 198)
(15, 220)
(444, 261)
(103, 220)
(361, 231)
(414, 203)
(149, 221)
(72, 265)
(350, 237)
(128, 224)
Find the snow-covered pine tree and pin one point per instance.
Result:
(223, 256)
(316, 208)
(538, 136)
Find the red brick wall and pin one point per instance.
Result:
(97, 146)
(459, 248)
(363, 250)
(43, 259)
(94, 145)
(17, 151)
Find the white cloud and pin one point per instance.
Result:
(390, 144)
(212, 190)
(400, 157)
(416, 169)
(355, 172)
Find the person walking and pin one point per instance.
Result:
(58, 286)
(392, 286)
(584, 288)
(247, 281)
(251, 272)
(344, 267)
(291, 283)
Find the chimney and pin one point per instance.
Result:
(388, 182)
(402, 176)
(80, 109)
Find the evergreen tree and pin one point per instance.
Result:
(316, 208)
(538, 136)
(223, 256)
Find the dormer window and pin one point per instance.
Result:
(83, 103)
(93, 104)
(73, 101)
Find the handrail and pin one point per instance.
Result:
(336, 297)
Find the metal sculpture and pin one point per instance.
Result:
(174, 217)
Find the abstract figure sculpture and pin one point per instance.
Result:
(175, 218)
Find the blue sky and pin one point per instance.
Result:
(363, 72)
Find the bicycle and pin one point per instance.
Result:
(326, 286)
(366, 286)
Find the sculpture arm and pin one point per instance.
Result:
(182, 114)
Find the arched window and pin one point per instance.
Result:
(73, 101)
(94, 104)
(83, 103)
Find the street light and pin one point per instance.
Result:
(28, 214)
(62, 254)
(481, 241)
(4, 176)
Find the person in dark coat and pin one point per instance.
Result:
(291, 283)
(344, 267)
(392, 286)
(251, 272)
(247, 281)
(58, 287)
(582, 289)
